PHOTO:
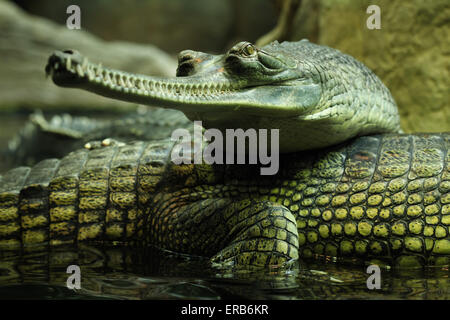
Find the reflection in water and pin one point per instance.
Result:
(138, 273)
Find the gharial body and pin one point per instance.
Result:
(380, 195)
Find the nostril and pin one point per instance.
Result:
(68, 51)
(185, 56)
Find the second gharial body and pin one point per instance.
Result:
(383, 196)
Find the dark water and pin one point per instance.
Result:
(142, 273)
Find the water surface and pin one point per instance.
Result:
(147, 273)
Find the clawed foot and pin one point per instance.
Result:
(97, 144)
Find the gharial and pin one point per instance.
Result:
(364, 191)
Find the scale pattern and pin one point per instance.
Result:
(384, 196)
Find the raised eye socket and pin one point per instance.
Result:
(248, 50)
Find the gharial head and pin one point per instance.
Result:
(315, 95)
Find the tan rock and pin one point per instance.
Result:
(410, 52)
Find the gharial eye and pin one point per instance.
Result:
(249, 50)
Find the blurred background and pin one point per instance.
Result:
(410, 53)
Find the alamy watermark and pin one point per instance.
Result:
(374, 20)
(237, 146)
(374, 280)
(74, 280)
(74, 20)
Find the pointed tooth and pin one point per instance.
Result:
(80, 71)
(84, 63)
(112, 77)
(107, 78)
(121, 83)
(138, 84)
(196, 88)
(91, 75)
(208, 89)
(178, 88)
(98, 72)
(129, 82)
(68, 63)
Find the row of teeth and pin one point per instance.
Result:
(128, 83)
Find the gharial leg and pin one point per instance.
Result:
(233, 233)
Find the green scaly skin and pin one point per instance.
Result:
(381, 197)
(315, 95)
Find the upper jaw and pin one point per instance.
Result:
(212, 90)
